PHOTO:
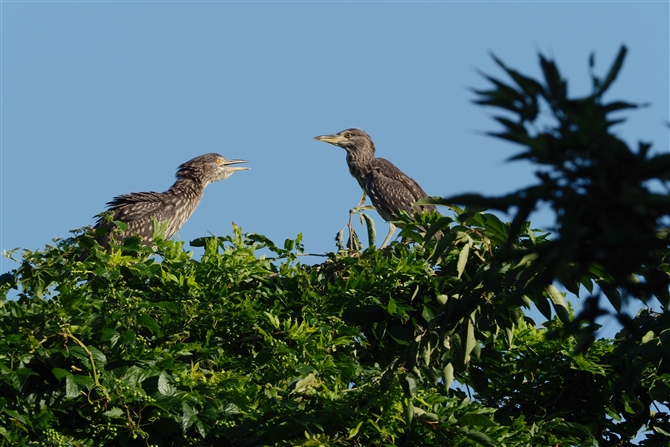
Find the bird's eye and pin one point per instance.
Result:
(347, 135)
(219, 161)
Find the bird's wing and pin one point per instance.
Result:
(390, 189)
(137, 209)
(136, 206)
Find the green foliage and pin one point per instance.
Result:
(422, 344)
(603, 392)
(607, 218)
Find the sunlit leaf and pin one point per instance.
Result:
(462, 259)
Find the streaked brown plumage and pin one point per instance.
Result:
(174, 206)
(390, 190)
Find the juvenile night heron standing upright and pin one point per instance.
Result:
(390, 190)
(172, 207)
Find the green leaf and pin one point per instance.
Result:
(661, 431)
(303, 382)
(470, 340)
(72, 388)
(370, 225)
(618, 105)
(354, 431)
(612, 74)
(339, 240)
(188, 415)
(448, 375)
(543, 306)
(16, 415)
(426, 354)
(462, 259)
(573, 428)
(164, 386)
(612, 294)
(479, 437)
(648, 337)
(428, 417)
(84, 381)
(114, 413)
(79, 352)
(59, 373)
(97, 355)
(556, 92)
(412, 353)
(407, 410)
(151, 324)
(388, 376)
(411, 385)
(529, 85)
(167, 305)
(559, 303)
(476, 420)
(391, 307)
(110, 335)
(427, 314)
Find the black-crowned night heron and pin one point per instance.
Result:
(172, 207)
(390, 190)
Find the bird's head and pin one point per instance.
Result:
(209, 168)
(354, 141)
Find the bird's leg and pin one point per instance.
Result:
(360, 204)
(388, 236)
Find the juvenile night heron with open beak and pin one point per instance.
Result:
(172, 207)
(390, 190)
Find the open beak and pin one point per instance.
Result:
(332, 139)
(235, 168)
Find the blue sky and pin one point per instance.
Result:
(104, 98)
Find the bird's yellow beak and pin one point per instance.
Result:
(227, 164)
(332, 139)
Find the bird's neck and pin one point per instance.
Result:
(360, 163)
(193, 188)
